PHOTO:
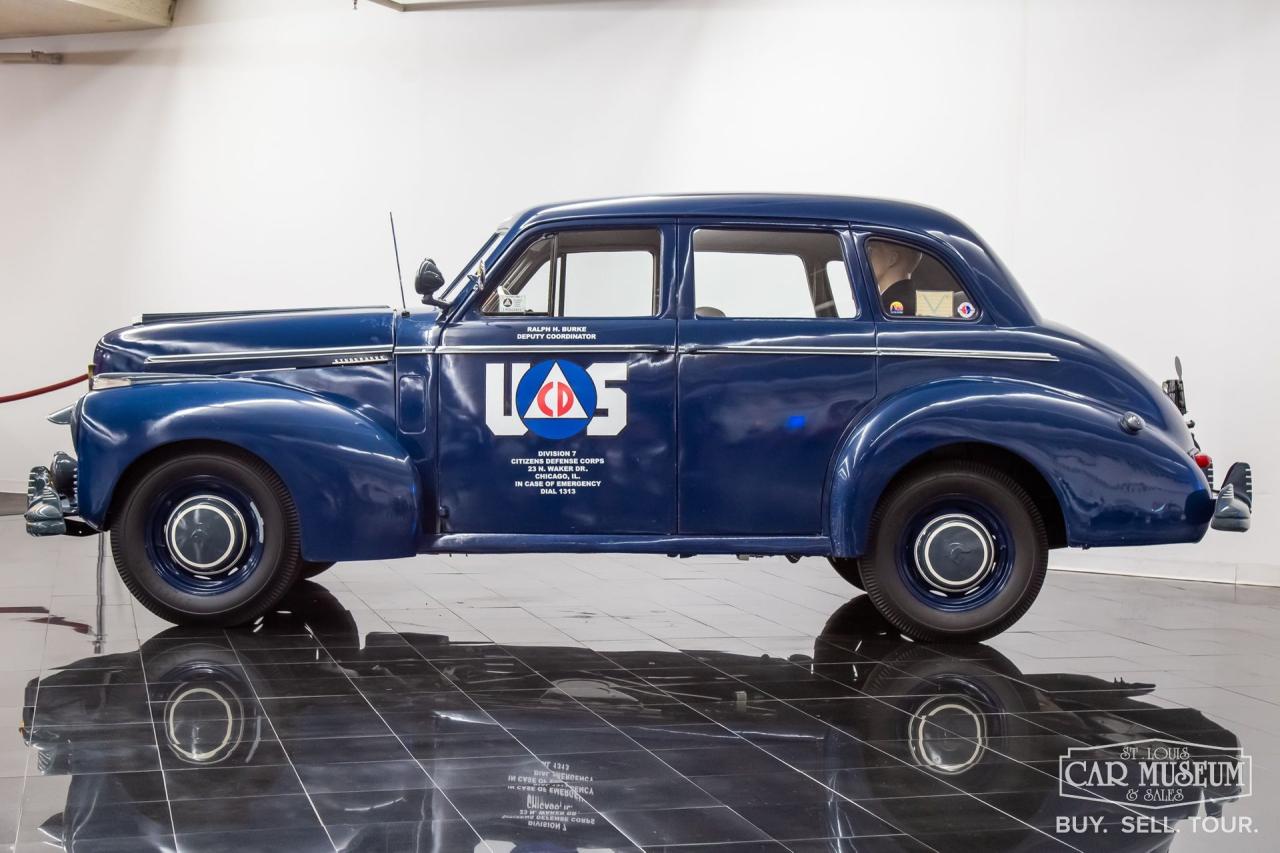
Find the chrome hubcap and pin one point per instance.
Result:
(206, 535)
(954, 552)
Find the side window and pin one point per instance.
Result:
(913, 283)
(590, 273)
(774, 274)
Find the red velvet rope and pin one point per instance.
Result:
(35, 392)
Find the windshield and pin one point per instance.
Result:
(473, 267)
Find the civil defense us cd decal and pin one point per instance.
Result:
(556, 399)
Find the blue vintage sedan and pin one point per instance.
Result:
(848, 378)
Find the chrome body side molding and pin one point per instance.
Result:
(752, 349)
(1002, 355)
(463, 349)
(272, 354)
(892, 352)
(375, 354)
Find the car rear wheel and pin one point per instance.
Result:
(957, 553)
(207, 539)
(847, 568)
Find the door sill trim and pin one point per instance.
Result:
(640, 543)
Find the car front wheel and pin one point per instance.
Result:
(207, 539)
(957, 553)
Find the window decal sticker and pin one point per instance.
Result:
(933, 303)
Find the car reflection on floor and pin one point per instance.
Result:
(411, 742)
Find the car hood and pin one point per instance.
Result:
(227, 342)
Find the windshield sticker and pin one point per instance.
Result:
(510, 303)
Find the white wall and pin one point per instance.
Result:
(1120, 155)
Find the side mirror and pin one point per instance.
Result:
(428, 280)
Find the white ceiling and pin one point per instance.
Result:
(61, 17)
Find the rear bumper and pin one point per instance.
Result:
(51, 499)
(1233, 507)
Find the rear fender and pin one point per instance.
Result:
(1113, 488)
(355, 488)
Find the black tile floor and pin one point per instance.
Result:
(597, 703)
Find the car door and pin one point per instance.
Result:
(557, 388)
(932, 322)
(777, 360)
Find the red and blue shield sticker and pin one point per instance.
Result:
(556, 399)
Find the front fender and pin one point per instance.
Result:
(1113, 488)
(354, 486)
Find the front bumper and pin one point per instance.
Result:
(51, 499)
(1233, 509)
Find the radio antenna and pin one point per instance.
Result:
(396, 246)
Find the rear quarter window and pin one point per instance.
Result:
(912, 283)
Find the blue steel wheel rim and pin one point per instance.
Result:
(960, 525)
(205, 536)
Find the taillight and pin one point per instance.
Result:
(1205, 463)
